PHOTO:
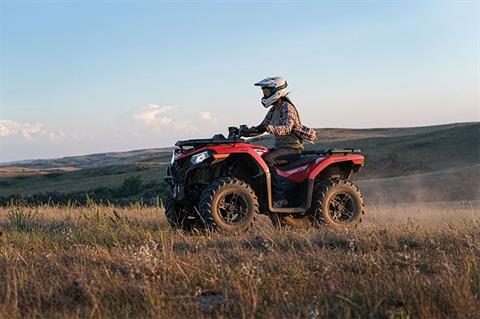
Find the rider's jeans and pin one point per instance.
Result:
(278, 188)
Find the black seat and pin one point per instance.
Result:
(300, 160)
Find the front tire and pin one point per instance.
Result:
(229, 205)
(337, 203)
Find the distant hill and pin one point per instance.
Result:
(431, 163)
(95, 160)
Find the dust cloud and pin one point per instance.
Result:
(428, 199)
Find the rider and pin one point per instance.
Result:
(282, 120)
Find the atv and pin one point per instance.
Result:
(223, 184)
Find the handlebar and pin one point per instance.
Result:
(242, 131)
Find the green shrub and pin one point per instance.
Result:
(20, 218)
(131, 185)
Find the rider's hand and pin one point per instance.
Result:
(262, 128)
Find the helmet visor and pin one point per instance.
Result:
(267, 91)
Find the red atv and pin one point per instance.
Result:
(224, 183)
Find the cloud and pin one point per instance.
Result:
(207, 116)
(154, 117)
(28, 131)
(151, 115)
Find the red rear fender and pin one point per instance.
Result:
(311, 170)
(352, 159)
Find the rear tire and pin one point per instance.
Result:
(229, 205)
(179, 216)
(337, 203)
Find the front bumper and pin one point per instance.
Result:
(175, 178)
(180, 173)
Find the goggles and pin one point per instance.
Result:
(269, 91)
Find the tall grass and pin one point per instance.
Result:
(126, 262)
(20, 218)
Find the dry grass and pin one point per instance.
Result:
(112, 262)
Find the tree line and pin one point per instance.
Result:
(131, 191)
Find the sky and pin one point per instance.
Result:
(80, 77)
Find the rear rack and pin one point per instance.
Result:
(333, 151)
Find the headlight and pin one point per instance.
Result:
(200, 157)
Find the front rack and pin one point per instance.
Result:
(196, 143)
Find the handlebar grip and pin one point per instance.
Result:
(249, 132)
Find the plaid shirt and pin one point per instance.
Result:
(289, 123)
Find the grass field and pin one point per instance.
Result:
(409, 261)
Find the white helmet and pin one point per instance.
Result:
(273, 89)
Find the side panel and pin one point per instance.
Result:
(297, 174)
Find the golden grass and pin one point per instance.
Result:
(126, 262)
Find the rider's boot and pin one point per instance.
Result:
(278, 193)
(280, 203)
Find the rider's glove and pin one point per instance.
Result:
(262, 128)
